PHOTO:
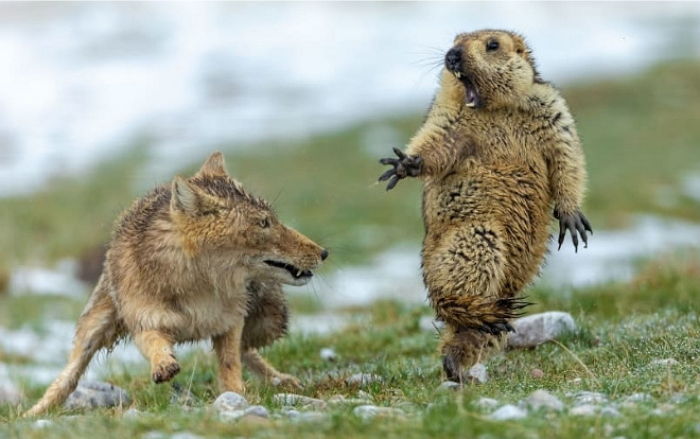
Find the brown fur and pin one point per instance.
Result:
(187, 263)
(492, 173)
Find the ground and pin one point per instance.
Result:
(640, 135)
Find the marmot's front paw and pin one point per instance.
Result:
(404, 166)
(165, 370)
(576, 223)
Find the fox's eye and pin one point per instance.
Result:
(492, 45)
(264, 223)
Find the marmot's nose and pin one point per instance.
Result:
(324, 254)
(453, 58)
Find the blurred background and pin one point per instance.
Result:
(101, 101)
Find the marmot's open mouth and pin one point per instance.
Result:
(471, 94)
(297, 273)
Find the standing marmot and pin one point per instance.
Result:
(497, 151)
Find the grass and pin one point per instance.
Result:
(640, 134)
(622, 329)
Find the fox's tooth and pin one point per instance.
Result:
(298, 273)
(458, 74)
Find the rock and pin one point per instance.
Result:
(257, 410)
(668, 362)
(328, 354)
(231, 415)
(230, 401)
(537, 373)
(363, 379)
(609, 411)
(253, 420)
(638, 397)
(341, 400)
(508, 412)
(93, 394)
(367, 412)
(290, 412)
(541, 399)
(449, 385)
(585, 397)
(477, 374)
(584, 410)
(132, 413)
(298, 400)
(536, 329)
(42, 423)
(427, 323)
(311, 417)
(486, 403)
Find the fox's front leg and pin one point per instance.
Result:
(157, 347)
(228, 351)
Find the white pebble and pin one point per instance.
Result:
(300, 400)
(363, 379)
(478, 374)
(536, 329)
(230, 401)
(257, 410)
(584, 410)
(508, 412)
(541, 399)
(486, 403)
(371, 411)
(668, 362)
(449, 385)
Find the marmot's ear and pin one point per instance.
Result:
(214, 166)
(188, 199)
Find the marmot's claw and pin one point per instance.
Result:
(577, 224)
(402, 167)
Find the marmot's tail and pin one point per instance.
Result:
(97, 328)
(487, 314)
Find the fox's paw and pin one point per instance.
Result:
(165, 370)
(402, 167)
(577, 224)
(286, 381)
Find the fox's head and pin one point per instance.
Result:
(218, 219)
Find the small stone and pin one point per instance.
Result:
(638, 397)
(42, 423)
(537, 373)
(328, 354)
(132, 413)
(541, 399)
(536, 329)
(609, 411)
(311, 417)
(231, 415)
(230, 401)
(371, 411)
(251, 419)
(508, 412)
(363, 379)
(585, 397)
(298, 400)
(486, 403)
(477, 374)
(449, 385)
(290, 412)
(93, 394)
(668, 362)
(341, 400)
(584, 410)
(257, 410)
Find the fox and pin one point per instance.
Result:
(198, 259)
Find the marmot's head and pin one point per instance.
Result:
(492, 67)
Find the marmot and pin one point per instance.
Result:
(497, 152)
(200, 259)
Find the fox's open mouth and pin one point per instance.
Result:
(296, 272)
(471, 93)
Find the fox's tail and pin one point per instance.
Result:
(97, 328)
(487, 314)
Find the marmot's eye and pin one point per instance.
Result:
(492, 45)
(264, 223)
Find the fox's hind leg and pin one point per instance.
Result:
(157, 347)
(98, 327)
(266, 322)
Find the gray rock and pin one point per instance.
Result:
(536, 329)
(541, 399)
(363, 379)
(231, 415)
(449, 385)
(508, 412)
(638, 397)
(371, 411)
(290, 412)
(477, 374)
(609, 411)
(486, 403)
(257, 410)
(666, 362)
(341, 400)
(230, 401)
(293, 399)
(584, 397)
(328, 354)
(584, 410)
(93, 394)
(311, 417)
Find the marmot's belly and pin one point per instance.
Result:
(515, 200)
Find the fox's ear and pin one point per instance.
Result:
(215, 165)
(189, 199)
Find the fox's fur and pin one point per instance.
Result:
(493, 168)
(188, 262)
